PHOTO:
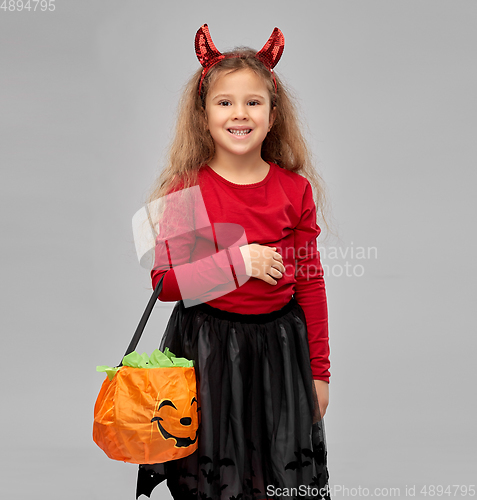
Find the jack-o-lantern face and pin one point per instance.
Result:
(178, 428)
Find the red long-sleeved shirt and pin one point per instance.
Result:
(278, 211)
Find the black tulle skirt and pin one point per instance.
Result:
(261, 434)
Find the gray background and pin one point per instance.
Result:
(387, 90)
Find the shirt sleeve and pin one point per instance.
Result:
(201, 276)
(310, 290)
(185, 278)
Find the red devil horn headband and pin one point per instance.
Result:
(208, 54)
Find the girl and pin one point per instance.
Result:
(253, 316)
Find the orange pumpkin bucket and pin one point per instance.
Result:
(147, 410)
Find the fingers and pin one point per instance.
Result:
(266, 263)
(276, 268)
(276, 255)
(275, 272)
(268, 279)
(278, 264)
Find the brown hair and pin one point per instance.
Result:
(192, 145)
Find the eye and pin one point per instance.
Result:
(255, 102)
(224, 102)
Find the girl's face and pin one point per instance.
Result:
(238, 101)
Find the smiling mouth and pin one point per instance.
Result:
(239, 132)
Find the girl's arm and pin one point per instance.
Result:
(200, 277)
(183, 225)
(310, 290)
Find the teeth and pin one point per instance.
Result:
(240, 132)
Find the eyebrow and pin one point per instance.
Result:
(228, 95)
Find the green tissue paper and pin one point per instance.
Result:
(157, 359)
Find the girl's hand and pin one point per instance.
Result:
(263, 262)
(323, 395)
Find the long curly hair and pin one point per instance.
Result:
(192, 145)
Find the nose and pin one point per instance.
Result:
(240, 111)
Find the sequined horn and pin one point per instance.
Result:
(208, 54)
(206, 51)
(272, 51)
